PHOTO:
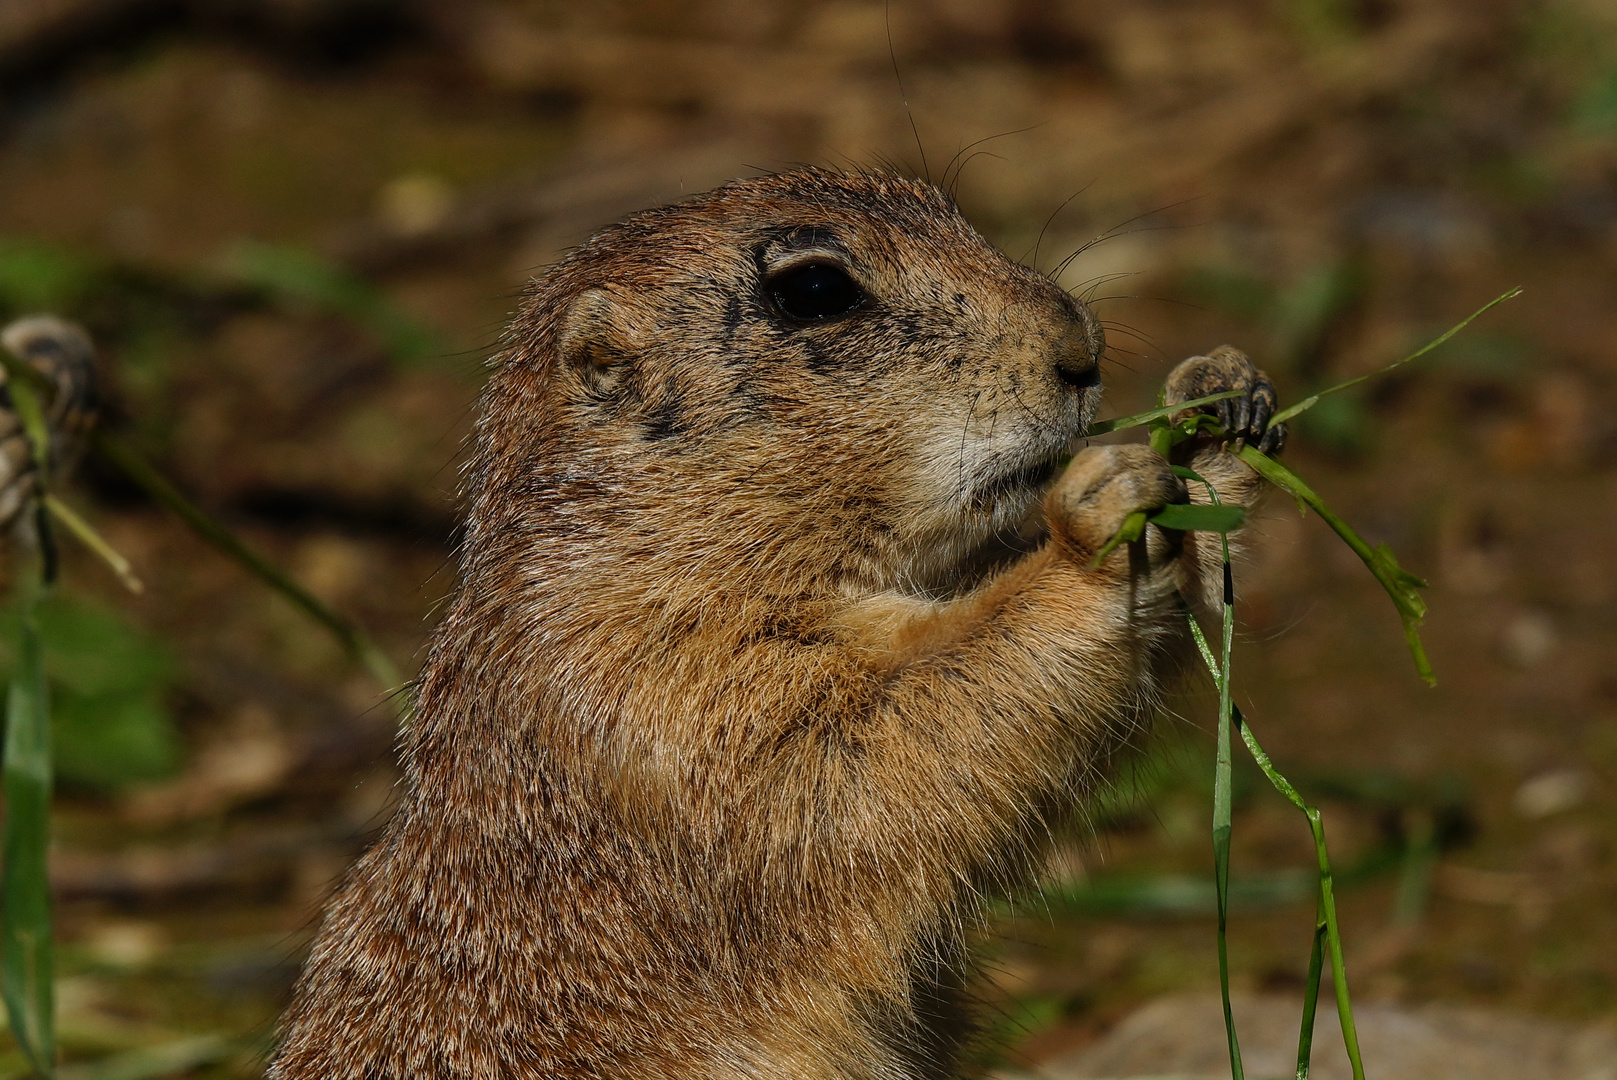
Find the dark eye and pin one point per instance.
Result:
(815, 292)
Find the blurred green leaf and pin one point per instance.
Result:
(1596, 108)
(287, 272)
(1305, 312)
(91, 651)
(1341, 424)
(26, 960)
(114, 741)
(1314, 399)
(37, 277)
(108, 682)
(147, 1063)
(1499, 356)
(1182, 895)
(1323, 22)
(1235, 292)
(1298, 315)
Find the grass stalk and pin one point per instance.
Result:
(1326, 924)
(1333, 942)
(97, 543)
(1316, 963)
(1223, 780)
(1223, 804)
(1105, 427)
(1222, 812)
(1313, 399)
(26, 954)
(1399, 583)
(354, 641)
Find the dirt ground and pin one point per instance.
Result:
(296, 228)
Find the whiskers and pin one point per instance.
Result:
(1120, 230)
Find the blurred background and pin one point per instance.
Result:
(296, 228)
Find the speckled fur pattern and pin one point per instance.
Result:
(776, 649)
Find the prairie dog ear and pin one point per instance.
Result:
(599, 338)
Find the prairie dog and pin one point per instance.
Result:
(776, 647)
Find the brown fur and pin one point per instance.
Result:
(764, 667)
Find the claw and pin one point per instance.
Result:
(1245, 419)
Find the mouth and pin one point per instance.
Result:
(1015, 485)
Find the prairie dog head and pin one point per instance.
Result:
(839, 351)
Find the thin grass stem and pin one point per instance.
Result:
(26, 954)
(1313, 399)
(355, 641)
(1316, 964)
(1333, 941)
(95, 542)
(1223, 793)
(1327, 921)
(1104, 427)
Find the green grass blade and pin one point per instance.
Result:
(352, 638)
(1223, 793)
(1327, 924)
(1326, 929)
(1316, 964)
(26, 959)
(95, 542)
(1123, 423)
(1313, 399)
(1420, 861)
(1132, 529)
(1399, 583)
(1333, 941)
(1229, 717)
(26, 952)
(1223, 806)
(1189, 517)
(1186, 517)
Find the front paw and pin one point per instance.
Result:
(1244, 418)
(1101, 488)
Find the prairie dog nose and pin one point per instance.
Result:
(1077, 354)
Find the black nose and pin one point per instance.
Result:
(1078, 361)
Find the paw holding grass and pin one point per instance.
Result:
(1109, 494)
(1243, 419)
(1105, 488)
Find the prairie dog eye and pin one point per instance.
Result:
(815, 292)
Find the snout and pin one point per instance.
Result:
(1078, 349)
